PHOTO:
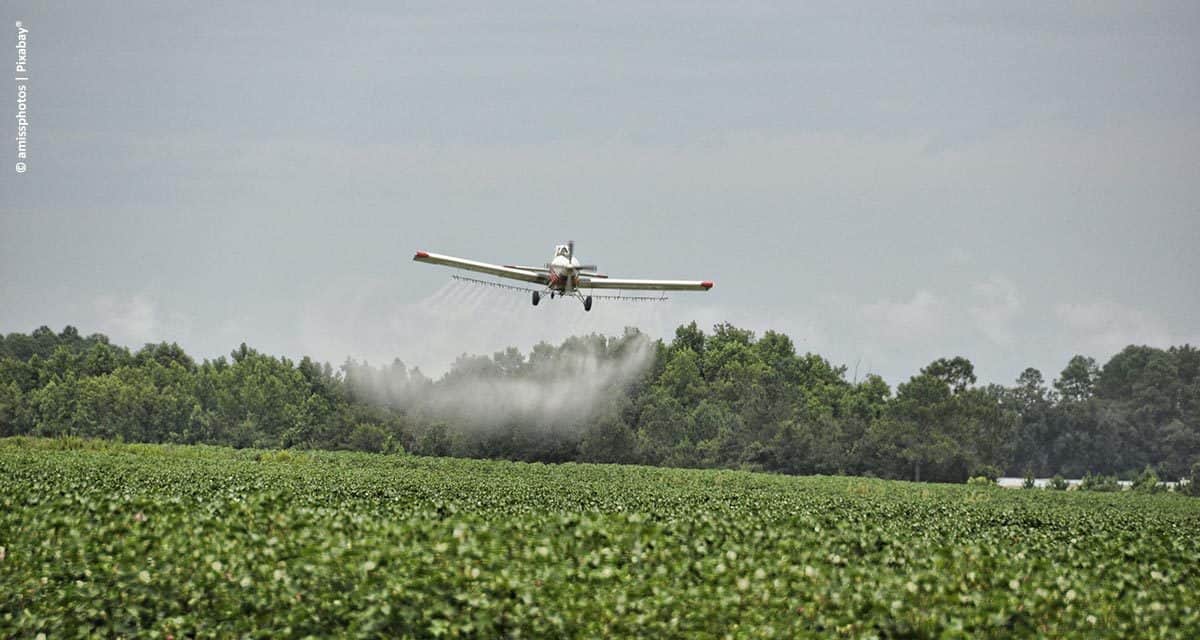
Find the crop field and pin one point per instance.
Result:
(154, 541)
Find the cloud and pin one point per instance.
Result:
(976, 320)
(959, 257)
(134, 320)
(925, 316)
(997, 304)
(1106, 327)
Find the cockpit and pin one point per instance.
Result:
(561, 250)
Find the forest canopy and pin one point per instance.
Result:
(723, 398)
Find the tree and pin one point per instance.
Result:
(681, 377)
(165, 355)
(989, 428)
(930, 421)
(724, 399)
(1076, 381)
(434, 440)
(689, 336)
(868, 399)
(608, 440)
(957, 372)
(14, 411)
(54, 407)
(102, 359)
(510, 361)
(1030, 392)
(663, 423)
(368, 437)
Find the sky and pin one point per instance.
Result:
(1013, 182)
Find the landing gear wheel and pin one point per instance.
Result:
(551, 295)
(537, 297)
(587, 303)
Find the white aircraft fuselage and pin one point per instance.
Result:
(564, 270)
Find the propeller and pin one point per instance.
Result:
(571, 256)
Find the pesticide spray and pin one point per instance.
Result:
(567, 372)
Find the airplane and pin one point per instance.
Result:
(563, 276)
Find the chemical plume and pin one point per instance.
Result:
(553, 388)
(369, 319)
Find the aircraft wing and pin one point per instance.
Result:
(648, 285)
(482, 267)
(525, 268)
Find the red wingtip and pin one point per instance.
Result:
(421, 254)
(707, 284)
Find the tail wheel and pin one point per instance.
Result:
(587, 303)
(537, 297)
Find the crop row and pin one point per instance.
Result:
(150, 541)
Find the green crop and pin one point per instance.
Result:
(157, 541)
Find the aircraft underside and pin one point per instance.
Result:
(562, 291)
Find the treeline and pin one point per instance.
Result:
(720, 399)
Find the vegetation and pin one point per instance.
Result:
(1100, 483)
(1191, 485)
(1147, 482)
(132, 540)
(724, 399)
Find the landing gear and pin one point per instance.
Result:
(587, 303)
(537, 297)
(551, 295)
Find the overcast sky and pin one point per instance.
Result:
(1011, 182)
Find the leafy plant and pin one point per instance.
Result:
(1191, 484)
(989, 471)
(1147, 482)
(210, 542)
(1100, 483)
(1028, 482)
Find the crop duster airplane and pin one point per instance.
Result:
(564, 276)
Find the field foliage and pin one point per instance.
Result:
(185, 541)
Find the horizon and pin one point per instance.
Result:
(849, 374)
